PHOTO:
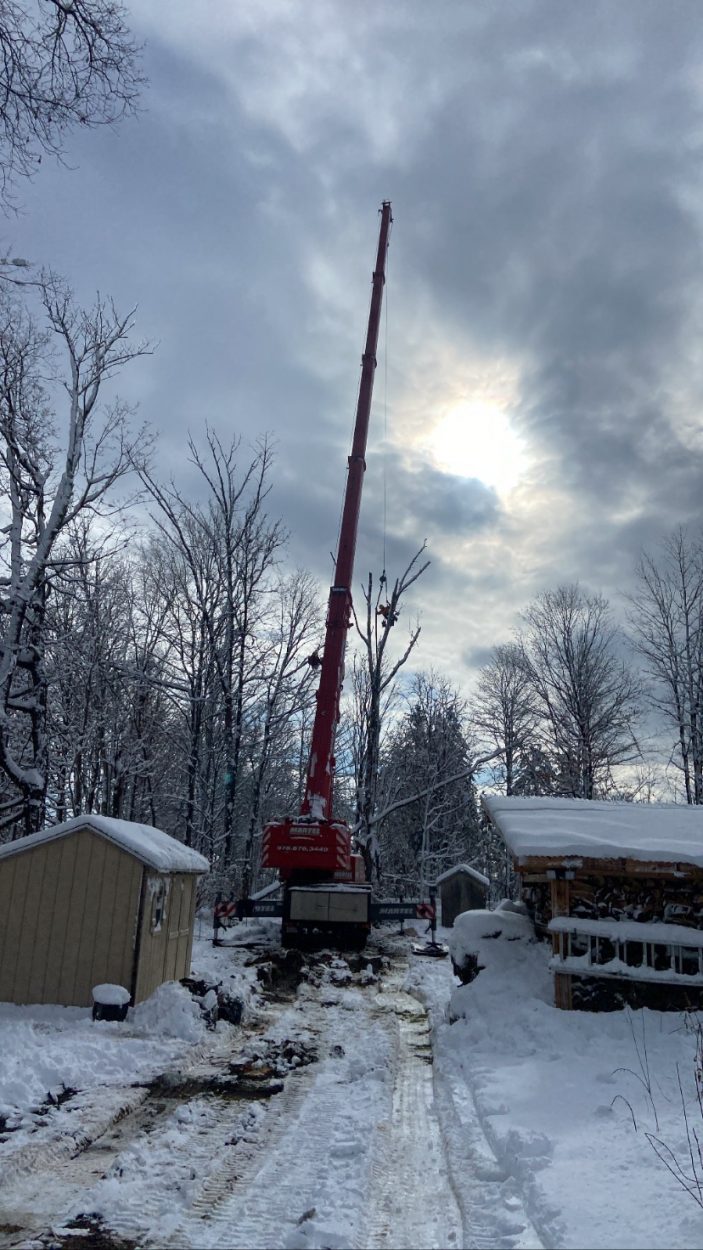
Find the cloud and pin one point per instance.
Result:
(543, 161)
(477, 657)
(427, 501)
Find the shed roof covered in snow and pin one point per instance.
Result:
(154, 848)
(466, 870)
(553, 828)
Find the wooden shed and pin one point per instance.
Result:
(90, 901)
(618, 887)
(461, 888)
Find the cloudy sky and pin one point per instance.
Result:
(537, 412)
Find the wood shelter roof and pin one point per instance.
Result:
(558, 830)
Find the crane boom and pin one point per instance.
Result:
(320, 778)
(313, 850)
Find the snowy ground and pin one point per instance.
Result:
(549, 1091)
(519, 1134)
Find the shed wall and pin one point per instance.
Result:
(166, 940)
(68, 912)
(459, 893)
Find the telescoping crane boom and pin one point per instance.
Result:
(324, 883)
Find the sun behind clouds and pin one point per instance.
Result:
(475, 438)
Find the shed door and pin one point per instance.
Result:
(179, 928)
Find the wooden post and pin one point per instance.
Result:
(560, 892)
(560, 898)
(562, 991)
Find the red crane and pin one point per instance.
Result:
(313, 847)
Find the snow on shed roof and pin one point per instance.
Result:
(153, 847)
(593, 829)
(472, 872)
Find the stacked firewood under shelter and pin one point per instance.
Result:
(618, 888)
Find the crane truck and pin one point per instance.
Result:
(325, 891)
(324, 886)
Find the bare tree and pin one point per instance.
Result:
(49, 476)
(243, 542)
(352, 739)
(589, 701)
(382, 611)
(63, 63)
(504, 710)
(667, 626)
(89, 709)
(283, 653)
(188, 575)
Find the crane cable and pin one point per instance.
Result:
(385, 412)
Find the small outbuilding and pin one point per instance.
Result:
(95, 900)
(618, 887)
(461, 888)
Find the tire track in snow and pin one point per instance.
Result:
(95, 1114)
(369, 1149)
(493, 1207)
(304, 1184)
(172, 1178)
(497, 1212)
(354, 1158)
(411, 1204)
(49, 1179)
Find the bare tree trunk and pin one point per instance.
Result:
(288, 689)
(381, 615)
(241, 543)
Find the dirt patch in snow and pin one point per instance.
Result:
(86, 1232)
(258, 1074)
(178, 1089)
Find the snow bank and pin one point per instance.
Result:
(171, 1011)
(535, 1101)
(484, 933)
(46, 1050)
